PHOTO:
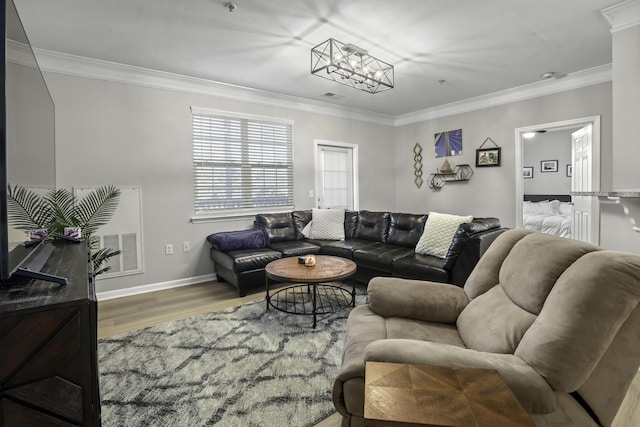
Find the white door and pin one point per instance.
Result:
(585, 225)
(335, 176)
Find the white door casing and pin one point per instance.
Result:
(591, 165)
(336, 175)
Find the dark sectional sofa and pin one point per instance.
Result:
(380, 243)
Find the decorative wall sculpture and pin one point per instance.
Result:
(417, 165)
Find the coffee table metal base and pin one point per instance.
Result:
(311, 299)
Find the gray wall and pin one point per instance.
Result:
(491, 190)
(626, 106)
(127, 135)
(554, 145)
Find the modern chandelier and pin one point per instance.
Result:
(351, 66)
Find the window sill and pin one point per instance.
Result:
(237, 215)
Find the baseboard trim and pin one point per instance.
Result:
(143, 289)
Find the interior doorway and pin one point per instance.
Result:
(586, 177)
(336, 165)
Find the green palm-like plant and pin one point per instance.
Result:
(59, 208)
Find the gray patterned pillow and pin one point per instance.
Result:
(438, 233)
(327, 224)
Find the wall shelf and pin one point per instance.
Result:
(460, 173)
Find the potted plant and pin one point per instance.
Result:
(60, 208)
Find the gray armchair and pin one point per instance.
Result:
(558, 318)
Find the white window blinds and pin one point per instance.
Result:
(241, 163)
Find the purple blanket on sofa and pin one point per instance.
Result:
(244, 239)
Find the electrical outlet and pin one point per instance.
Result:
(168, 249)
(311, 194)
(186, 246)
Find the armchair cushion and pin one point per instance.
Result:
(492, 335)
(415, 299)
(530, 388)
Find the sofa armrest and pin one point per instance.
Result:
(531, 389)
(470, 253)
(416, 299)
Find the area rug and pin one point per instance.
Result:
(244, 366)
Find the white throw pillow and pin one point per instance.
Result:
(438, 233)
(306, 231)
(327, 224)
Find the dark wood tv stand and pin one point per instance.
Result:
(48, 345)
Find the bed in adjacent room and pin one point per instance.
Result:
(549, 214)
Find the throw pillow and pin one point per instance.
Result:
(327, 224)
(438, 233)
(306, 231)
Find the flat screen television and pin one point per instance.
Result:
(27, 138)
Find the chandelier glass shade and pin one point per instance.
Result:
(351, 66)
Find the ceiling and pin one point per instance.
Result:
(442, 50)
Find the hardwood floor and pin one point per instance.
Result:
(121, 315)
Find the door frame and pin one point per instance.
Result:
(354, 168)
(595, 165)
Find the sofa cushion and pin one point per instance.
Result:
(380, 256)
(372, 226)
(243, 239)
(241, 260)
(295, 248)
(279, 226)
(438, 233)
(327, 224)
(301, 219)
(343, 248)
(405, 229)
(421, 267)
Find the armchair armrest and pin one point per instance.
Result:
(416, 299)
(531, 389)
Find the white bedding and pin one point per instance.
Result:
(549, 217)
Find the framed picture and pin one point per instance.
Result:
(448, 143)
(487, 157)
(527, 172)
(569, 170)
(549, 166)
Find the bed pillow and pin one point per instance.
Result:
(528, 208)
(438, 233)
(327, 224)
(565, 209)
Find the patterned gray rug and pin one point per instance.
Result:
(243, 366)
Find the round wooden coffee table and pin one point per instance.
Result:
(311, 294)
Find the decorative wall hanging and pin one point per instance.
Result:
(417, 164)
(448, 143)
(527, 172)
(569, 170)
(488, 156)
(549, 166)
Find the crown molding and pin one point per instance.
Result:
(571, 81)
(56, 62)
(622, 15)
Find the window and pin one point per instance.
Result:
(241, 164)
